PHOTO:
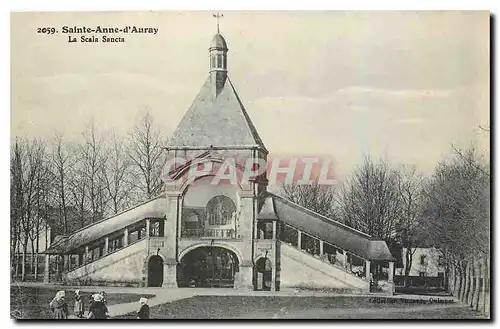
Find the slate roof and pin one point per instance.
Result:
(267, 211)
(218, 42)
(217, 121)
(329, 230)
(154, 208)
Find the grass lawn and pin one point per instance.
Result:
(33, 302)
(264, 307)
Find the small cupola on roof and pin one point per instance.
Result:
(218, 61)
(217, 117)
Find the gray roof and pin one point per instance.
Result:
(216, 121)
(154, 208)
(328, 230)
(267, 211)
(218, 42)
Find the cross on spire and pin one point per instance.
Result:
(218, 16)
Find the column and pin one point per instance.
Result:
(391, 272)
(46, 275)
(367, 270)
(170, 273)
(273, 277)
(321, 248)
(274, 230)
(58, 264)
(299, 240)
(244, 279)
(86, 255)
(106, 245)
(64, 263)
(125, 237)
(147, 227)
(65, 266)
(345, 259)
(390, 280)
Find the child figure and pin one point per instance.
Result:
(59, 306)
(78, 310)
(104, 297)
(143, 312)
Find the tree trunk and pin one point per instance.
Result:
(471, 282)
(478, 287)
(35, 272)
(487, 288)
(17, 259)
(47, 236)
(23, 266)
(32, 260)
(468, 283)
(37, 248)
(446, 278)
(456, 284)
(408, 257)
(462, 283)
(451, 280)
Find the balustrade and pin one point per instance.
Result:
(213, 233)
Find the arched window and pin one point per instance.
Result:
(219, 210)
(219, 60)
(212, 61)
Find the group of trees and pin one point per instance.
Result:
(456, 217)
(449, 210)
(70, 184)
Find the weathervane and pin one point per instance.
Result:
(218, 16)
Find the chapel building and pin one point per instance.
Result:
(201, 234)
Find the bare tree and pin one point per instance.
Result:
(147, 155)
(61, 162)
(369, 199)
(16, 200)
(116, 173)
(35, 153)
(43, 190)
(318, 198)
(94, 159)
(409, 224)
(457, 206)
(78, 191)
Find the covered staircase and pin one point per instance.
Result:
(320, 253)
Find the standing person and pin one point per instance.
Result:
(78, 310)
(143, 312)
(59, 306)
(98, 309)
(104, 299)
(91, 301)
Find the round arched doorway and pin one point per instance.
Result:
(208, 267)
(155, 271)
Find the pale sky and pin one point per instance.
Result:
(403, 85)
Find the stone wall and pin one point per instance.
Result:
(124, 266)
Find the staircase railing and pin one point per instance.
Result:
(327, 261)
(86, 262)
